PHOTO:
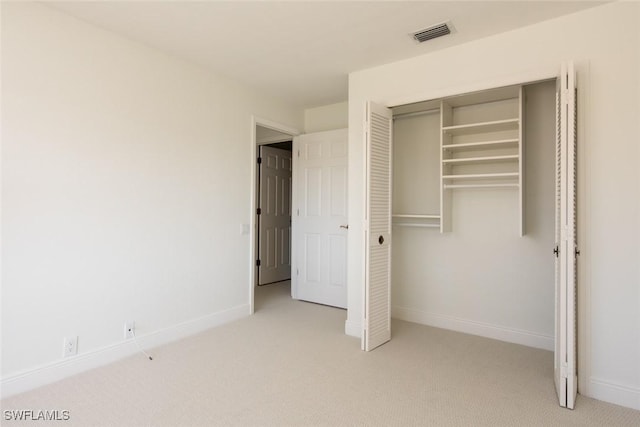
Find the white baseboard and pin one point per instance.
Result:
(352, 328)
(55, 371)
(473, 327)
(614, 393)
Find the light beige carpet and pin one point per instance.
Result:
(291, 365)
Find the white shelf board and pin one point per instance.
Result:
(454, 186)
(493, 126)
(485, 96)
(484, 159)
(500, 143)
(483, 176)
(411, 224)
(416, 220)
(416, 114)
(418, 216)
(416, 107)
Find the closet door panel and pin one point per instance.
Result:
(377, 322)
(565, 374)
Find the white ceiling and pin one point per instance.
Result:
(304, 51)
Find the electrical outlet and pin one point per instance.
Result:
(129, 329)
(70, 346)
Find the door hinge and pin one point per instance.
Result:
(298, 153)
(563, 372)
(259, 160)
(576, 252)
(556, 251)
(259, 211)
(258, 263)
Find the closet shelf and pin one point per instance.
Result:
(483, 176)
(411, 224)
(417, 216)
(454, 186)
(416, 113)
(500, 143)
(473, 128)
(492, 159)
(416, 220)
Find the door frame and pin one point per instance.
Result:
(253, 231)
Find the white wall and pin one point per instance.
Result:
(605, 43)
(126, 179)
(327, 117)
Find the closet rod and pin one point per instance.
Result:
(416, 113)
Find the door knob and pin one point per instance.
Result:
(346, 227)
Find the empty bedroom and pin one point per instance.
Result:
(320, 213)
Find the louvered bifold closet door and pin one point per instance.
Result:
(377, 322)
(566, 251)
(560, 322)
(572, 238)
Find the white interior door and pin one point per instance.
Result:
(377, 312)
(274, 249)
(320, 219)
(566, 250)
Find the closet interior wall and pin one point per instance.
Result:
(482, 276)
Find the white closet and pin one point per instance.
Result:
(459, 168)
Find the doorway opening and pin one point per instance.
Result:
(273, 214)
(299, 213)
(270, 230)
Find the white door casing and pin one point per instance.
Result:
(566, 250)
(378, 169)
(274, 250)
(320, 218)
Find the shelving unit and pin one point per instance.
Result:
(481, 146)
(466, 142)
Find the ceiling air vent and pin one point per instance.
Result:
(432, 32)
